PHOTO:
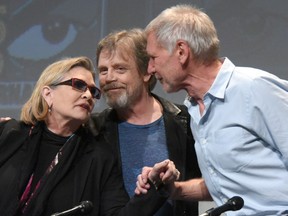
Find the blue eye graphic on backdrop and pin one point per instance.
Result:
(40, 32)
(35, 33)
(43, 41)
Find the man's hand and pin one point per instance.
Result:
(164, 172)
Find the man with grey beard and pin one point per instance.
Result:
(142, 128)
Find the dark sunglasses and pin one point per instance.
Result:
(81, 86)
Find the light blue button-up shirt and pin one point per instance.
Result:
(242, 139)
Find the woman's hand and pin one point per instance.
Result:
(2, 119)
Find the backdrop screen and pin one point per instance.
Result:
(36, 33)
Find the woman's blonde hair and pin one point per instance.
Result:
(36, 108)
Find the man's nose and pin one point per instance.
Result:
(151, 68)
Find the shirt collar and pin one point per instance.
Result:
(221, 82)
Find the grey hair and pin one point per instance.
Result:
(188, 23)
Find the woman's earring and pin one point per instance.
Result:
(50, 109)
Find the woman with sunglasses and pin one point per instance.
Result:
(50, 162)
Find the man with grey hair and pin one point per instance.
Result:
(241, 140)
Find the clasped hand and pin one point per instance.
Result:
(164, 173)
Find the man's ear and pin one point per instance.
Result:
(47, 95)
(183, 51)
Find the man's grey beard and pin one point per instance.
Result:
(126, 99)
(120, 103)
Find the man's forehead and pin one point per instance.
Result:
(151, 42)
(116, 53)
(117, 59)
(153, 46)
